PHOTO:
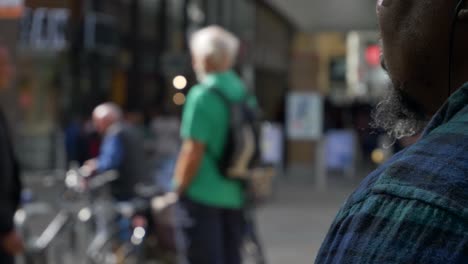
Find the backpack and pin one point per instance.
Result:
(241, 148)
(241, 159)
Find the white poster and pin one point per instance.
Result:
(304, 116)
(272, 143)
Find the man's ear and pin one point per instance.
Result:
(463, 15)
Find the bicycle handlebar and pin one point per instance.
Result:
(100, 180)
(75, 180)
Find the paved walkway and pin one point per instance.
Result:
(293, 226)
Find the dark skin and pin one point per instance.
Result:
(415, 39)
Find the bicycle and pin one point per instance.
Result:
(84, 211)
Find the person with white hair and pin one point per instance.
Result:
(121, 150)
(213, 201)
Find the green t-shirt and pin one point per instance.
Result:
(206, 120)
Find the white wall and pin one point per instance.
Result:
(329, 15)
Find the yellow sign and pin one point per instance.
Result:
(11, 9)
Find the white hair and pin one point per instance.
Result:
(108, 110)
(215, 43)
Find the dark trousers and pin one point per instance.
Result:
(214, 235)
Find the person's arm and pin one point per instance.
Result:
(111, 155)
(6, 217)
(197, 129)
(8, 201)
(190, 159)
(10, 241)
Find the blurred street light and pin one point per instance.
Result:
(180, 82)
(179, 99)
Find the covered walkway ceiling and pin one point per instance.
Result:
(329, 15)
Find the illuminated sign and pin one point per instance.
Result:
(11, 9)
(373, 55)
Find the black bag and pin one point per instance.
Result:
(241, 155)
(241, 149)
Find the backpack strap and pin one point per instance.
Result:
(214, 90)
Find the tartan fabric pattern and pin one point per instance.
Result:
(414, 208)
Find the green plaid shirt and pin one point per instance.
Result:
(413, 209)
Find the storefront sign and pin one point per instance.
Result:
(11, 9)
(44, 29)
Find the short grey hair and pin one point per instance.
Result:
(215, 43)
(108, 111)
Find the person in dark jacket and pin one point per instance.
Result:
(121, 150)
(10, 185)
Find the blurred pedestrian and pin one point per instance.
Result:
(414, 209)
(165, 128)
(74, 141)
(213, 202)
(92, 141)
(121, 150)
(10, 185)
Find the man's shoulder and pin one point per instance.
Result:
(415, 208)
(385, 228)
(433, 171)
(419, 200)
(202, 97)
(367, 184)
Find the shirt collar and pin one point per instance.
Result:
(213, 78)
(450, 109)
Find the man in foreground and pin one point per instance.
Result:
(213, 202)
(414, 209)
